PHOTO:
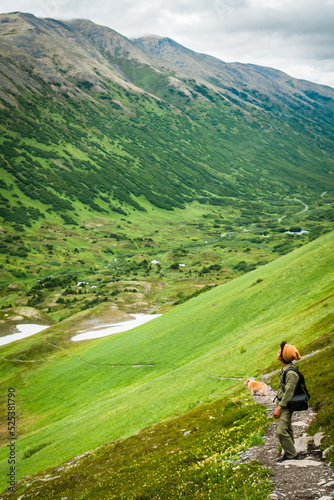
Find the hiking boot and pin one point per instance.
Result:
(284, 458)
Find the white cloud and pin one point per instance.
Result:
(296, 37)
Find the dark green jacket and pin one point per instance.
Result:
(286, 391)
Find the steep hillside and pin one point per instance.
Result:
(76, 396)
(145, 151)
(79, 125)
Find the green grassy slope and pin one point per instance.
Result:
(75, 399)
(192, 455)
(185, 457)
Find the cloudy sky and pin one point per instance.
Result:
(295, 36)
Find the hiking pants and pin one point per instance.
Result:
(285, 433)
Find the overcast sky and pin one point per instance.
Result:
(295, 36)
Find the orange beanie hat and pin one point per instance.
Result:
(289, 352)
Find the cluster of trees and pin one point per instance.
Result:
(182, 297)
(244, 266)
(18, 214)
(206, 270)
(53, 282)
(167, 176)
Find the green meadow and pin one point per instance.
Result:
(73, 397)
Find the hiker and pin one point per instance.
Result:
(285, 392)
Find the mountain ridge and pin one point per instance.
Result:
(94, 129)
(122, 45)
(160, 46)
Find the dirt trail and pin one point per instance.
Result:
(306, 479)
(304, 210)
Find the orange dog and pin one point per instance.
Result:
(257, 387)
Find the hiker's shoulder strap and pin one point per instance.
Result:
(291, 368)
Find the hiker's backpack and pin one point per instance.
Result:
(299, 400)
